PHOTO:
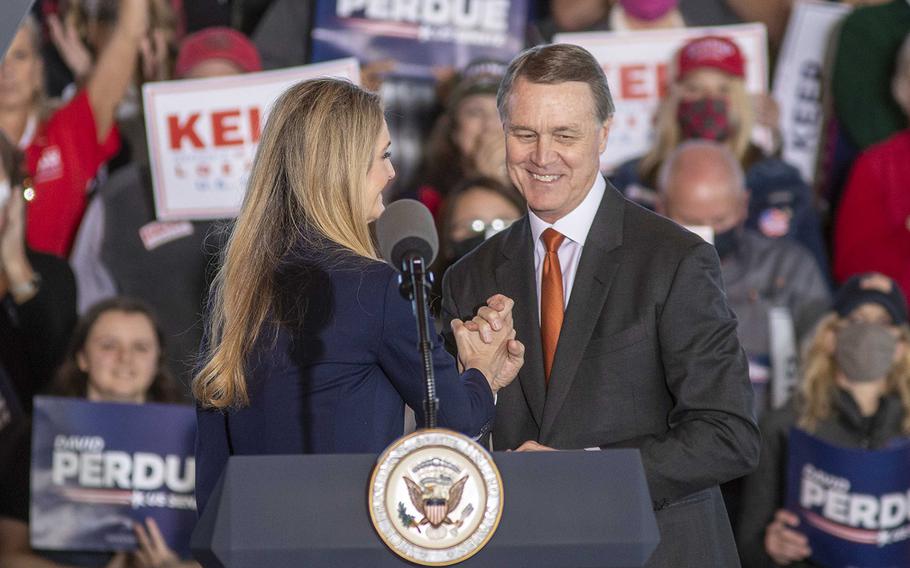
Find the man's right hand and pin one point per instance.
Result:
(783, 544)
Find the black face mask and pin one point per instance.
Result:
(461, 248)
(727, 242)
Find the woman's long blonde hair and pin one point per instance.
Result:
(667, 135)
(308, 179)
(818, 389)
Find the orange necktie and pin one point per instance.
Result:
(551, 299)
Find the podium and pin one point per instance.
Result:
(572, 509)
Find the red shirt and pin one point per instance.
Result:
(873, 221)
(62, 159)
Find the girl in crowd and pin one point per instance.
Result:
(707, 99)
(855, 393)
(311, 346)
(116, 355)
(64, 147)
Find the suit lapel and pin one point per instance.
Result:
(515, 278)
(600, 260)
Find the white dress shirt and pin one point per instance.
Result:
(575, 226)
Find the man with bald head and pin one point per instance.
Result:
(702, 187)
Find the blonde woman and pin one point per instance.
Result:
(312, 349)
(707, 99)
(855, 393)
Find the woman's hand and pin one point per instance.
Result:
(489, 155)
(14, 265)
(783, 544)
(69, 45)
(488, 343)
(153, 551)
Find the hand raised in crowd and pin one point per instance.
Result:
(373, 73)
(489, 155)
(153, 551)
(488, 343)
(783, 544)
(15, 268)
(69, 44)
(153, 55)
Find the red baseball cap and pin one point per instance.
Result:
(716, 52)
(217, 43)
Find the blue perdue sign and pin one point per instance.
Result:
(419, 34)
(854, 505)
(99, 467)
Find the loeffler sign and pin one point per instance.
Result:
(203, 134)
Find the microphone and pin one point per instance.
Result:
(406, 230)
(408, 241)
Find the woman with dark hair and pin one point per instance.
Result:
(476, 209)
(466, 139)
(117, 354)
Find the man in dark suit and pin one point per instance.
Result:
(629, 339)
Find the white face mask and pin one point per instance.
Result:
(4, 192)
(703, 231)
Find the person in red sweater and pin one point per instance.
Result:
(64, 147)
(872, 231)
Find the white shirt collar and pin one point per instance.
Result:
(577, 223)
(31, 127)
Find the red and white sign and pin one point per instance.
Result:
(637, 65)
(203, 133)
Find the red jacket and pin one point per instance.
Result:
(63, 159)
(872, 232)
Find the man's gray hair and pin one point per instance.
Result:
(668, 168)
(553, 64)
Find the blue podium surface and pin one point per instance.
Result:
(561, 509)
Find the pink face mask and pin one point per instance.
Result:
(704, 118)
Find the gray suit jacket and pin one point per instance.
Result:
(647, 357)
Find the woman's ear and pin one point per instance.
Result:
(81, 362)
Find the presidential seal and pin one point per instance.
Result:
(435, 497)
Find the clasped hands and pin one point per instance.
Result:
(487, 343)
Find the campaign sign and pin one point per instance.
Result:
(637, 65)
(800, 77)
(419, 35)
(203, 133)
(100, 467)
(854, 505)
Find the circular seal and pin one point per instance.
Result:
(435, 497)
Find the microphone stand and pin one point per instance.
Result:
(415, 282)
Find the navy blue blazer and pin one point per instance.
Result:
(334, 372)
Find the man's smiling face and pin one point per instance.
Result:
(553, 144)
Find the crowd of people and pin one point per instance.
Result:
(815, 272)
